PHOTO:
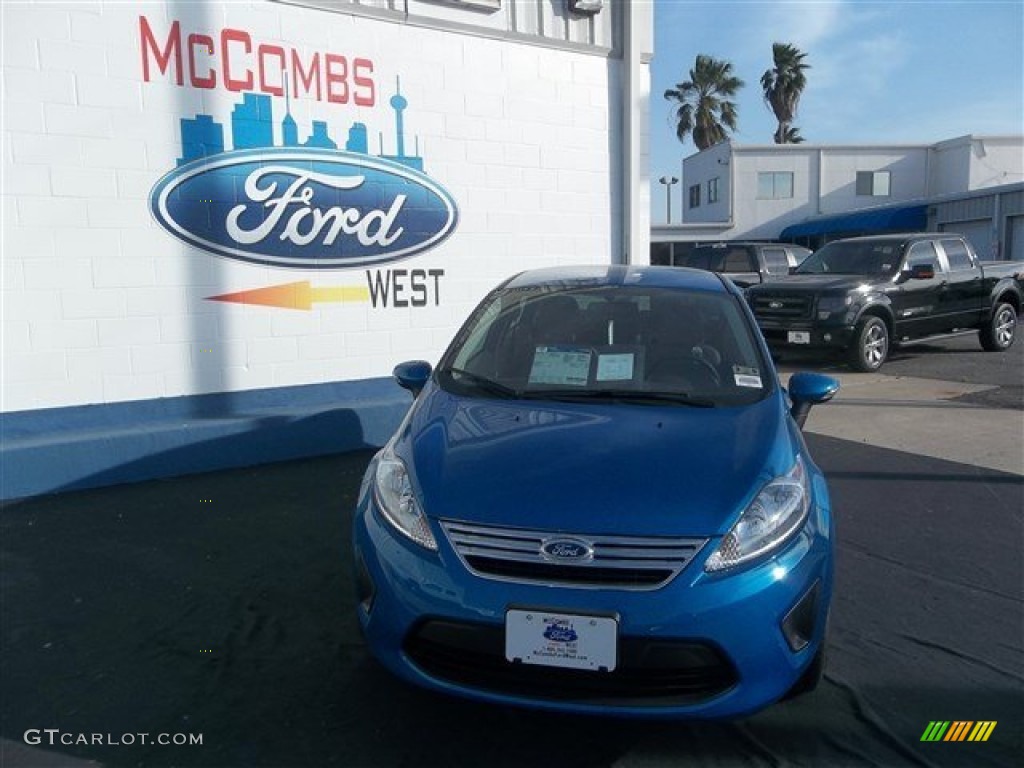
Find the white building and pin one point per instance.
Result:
(225, 222)
(790, 191)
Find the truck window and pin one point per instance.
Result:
(923, 252)
(956, 254)
(738, 260)
(661, 253)
(697, 259)
(775, 260)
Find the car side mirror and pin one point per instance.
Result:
(413, 375)
(807, 390)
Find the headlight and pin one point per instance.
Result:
(829, 305)
(774, 514)
(397, 500)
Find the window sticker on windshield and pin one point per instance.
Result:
(617, 367)
(746, 377)
(560, 365)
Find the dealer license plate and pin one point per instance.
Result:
(561, 640)
(799, 337)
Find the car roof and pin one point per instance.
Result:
(581, 276)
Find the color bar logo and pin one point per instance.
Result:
(959, 730)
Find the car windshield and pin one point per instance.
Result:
(853, 258)
(638, 344)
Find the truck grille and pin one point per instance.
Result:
(782, 306)
(618, 562)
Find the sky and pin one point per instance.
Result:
(910, 71)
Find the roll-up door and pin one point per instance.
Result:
(978, 232)
(1015, 235)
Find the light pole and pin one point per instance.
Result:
(668, 181)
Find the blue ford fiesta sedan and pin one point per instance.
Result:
(601, 501)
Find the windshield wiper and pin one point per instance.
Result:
(621, 395)
(482, 382)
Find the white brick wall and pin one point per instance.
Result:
(101, 304)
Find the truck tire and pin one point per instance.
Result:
(998, 333)
(870, 345)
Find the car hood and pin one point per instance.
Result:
(816, 284)
(593, 468)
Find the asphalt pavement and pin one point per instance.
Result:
(220, 605)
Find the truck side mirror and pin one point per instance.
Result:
(807, 390)
(922, 272)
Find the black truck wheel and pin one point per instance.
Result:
(998, 333)
(870, 345)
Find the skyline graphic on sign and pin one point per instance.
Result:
(255, 188)
(252, 127)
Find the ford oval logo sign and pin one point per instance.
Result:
(304, 208)
(567, 549)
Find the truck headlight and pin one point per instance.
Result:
(397, 500)
(772, 517)
(829, 305)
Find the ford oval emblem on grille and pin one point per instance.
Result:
(775, 304)
(566, 549)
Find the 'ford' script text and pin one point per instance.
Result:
(306, 224)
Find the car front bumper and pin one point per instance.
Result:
(702, 646)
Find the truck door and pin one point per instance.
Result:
(915, 303)
(965, 296)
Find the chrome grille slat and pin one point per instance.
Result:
(482, 541)
(623, 562)
(643, 553)
(521, 557)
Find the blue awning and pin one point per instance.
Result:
(907, 218)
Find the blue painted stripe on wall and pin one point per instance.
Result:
(61, 449)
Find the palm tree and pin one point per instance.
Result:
(791, 136)
(783, 86)
(705, 110)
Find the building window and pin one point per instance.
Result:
(873, 183)
(695, 196)
(774, 185)
(713, 190)
(492, 5)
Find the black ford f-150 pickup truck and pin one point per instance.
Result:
(863, 295)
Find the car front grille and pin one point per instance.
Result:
(650, 672)
(782, 306)
(618, 562)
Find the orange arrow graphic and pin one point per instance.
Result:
(301, 295)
